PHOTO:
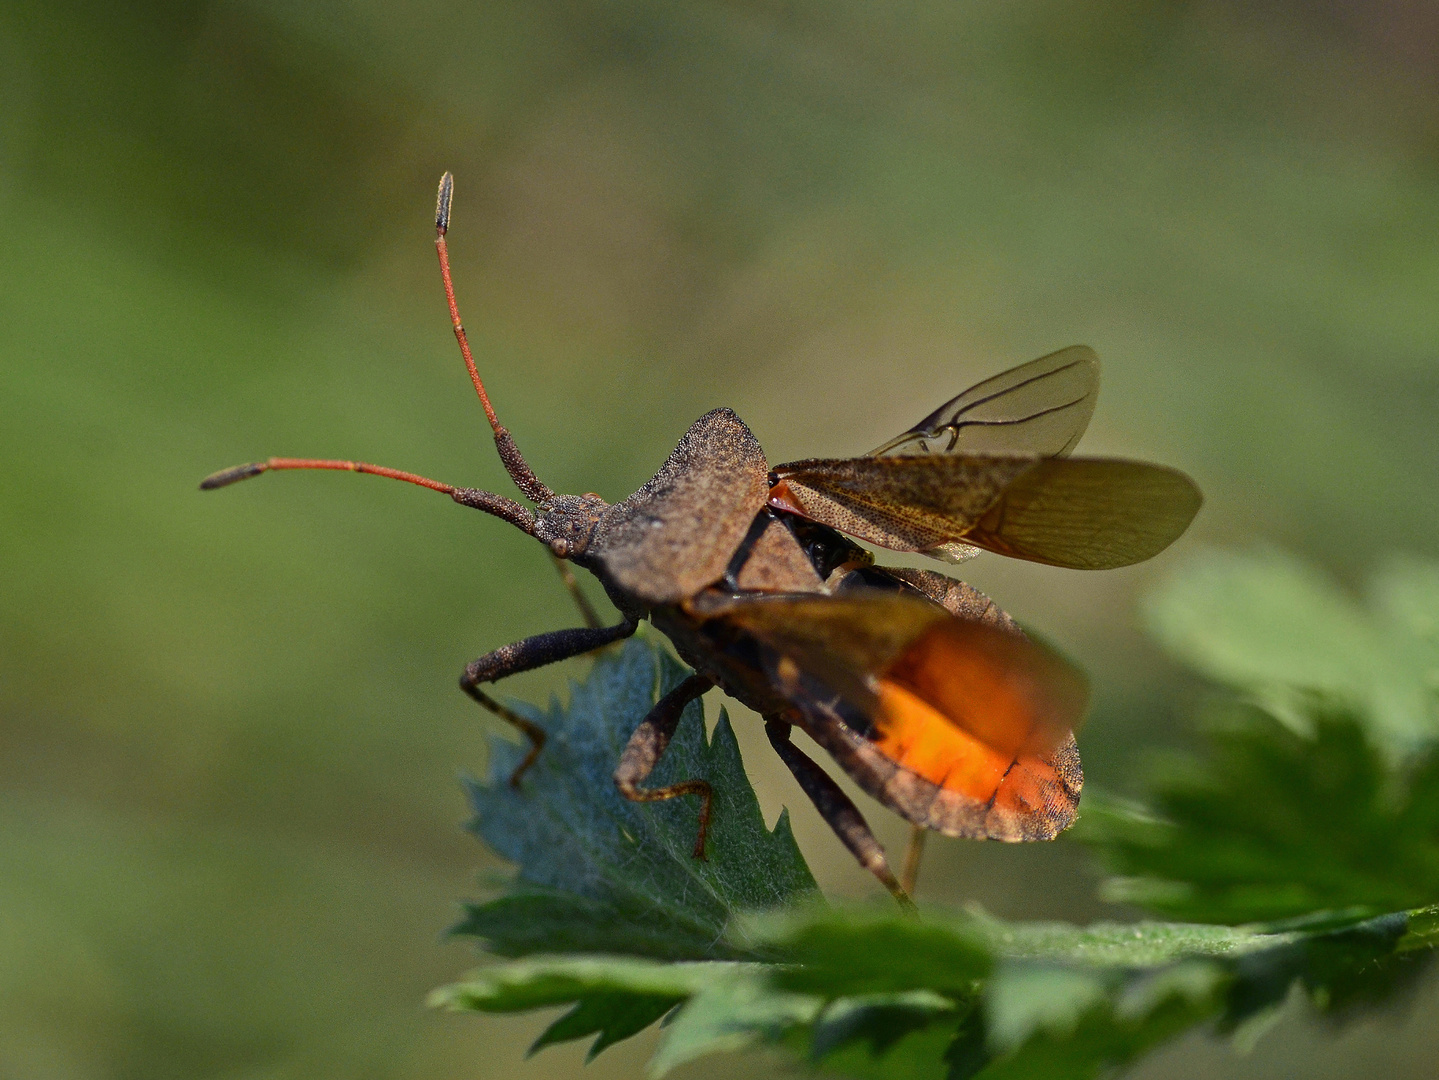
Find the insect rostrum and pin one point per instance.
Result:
(920, 688)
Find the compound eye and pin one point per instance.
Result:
(561, 547)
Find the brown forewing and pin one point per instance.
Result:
(842, 640)
(901, 503)
(957, 597)
(1083, 513)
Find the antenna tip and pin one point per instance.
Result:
(225, 477)
(442, 203)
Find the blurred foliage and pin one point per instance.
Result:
(1338, 807)
(1273, 825)
(879, 993)
(1280, 629)
(228, 726)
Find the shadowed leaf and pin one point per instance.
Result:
(596, 873)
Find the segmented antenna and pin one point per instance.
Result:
(490, 503)
(442, 203)
(514, 462)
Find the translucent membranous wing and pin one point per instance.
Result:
(958, 725)
(1040, 408)
(1083, 513)
(904, 503)
(1089, 513)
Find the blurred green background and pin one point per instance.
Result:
(229, 727)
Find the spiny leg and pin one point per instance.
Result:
(836, 808)
(526, 655)
(572, 586)
(646, 747)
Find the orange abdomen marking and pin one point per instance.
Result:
(977, 712)
(913, 733)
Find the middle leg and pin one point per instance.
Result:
(648, 744)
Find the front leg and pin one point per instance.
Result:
(836, 808)
(526, 655)
(647, 745)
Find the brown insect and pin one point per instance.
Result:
(920, 688)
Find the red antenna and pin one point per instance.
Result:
(510, 455)
(514, 462)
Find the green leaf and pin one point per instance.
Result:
(538, 981)
(876, 1022)
(1068, 1025)
(1268, 624)
(1024, 998)
(1274, 825)
(612, 997)
(612, 1017)
(732, 1014)
(596, 873)
(857, 952)
(1057, 1000)
(1068, 1001)
(998, 996)
(1117, 945)
(892, 1037)
(1339, 968)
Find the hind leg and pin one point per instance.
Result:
(836, 808)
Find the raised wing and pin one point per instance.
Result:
(1085, 513)
(958, 725)
(1038, 409)
(901, 503)
(1089, 513)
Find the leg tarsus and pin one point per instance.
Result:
(526, 655)
(837, 809)
(647, 745)
(528, 728)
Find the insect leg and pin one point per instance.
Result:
(567, 576)
(836, 808)
(534, 652)
(647, 745)
(914, 854)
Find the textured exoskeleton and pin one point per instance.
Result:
(918, 686)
